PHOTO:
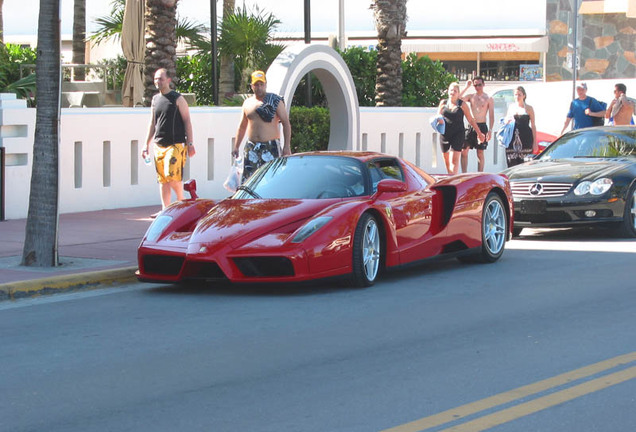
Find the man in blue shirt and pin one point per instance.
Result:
(583, 110)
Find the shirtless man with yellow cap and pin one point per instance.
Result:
(260, 118)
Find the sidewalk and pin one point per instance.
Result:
(95, 248)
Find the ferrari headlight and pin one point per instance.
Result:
(309, 228)
(597, 187)
(157, 227)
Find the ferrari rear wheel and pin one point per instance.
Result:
(366, 252)
(627, 228)
(493, 229)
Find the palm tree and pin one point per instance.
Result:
(161, 42)
(40, 243)
(226, 71)
(109, 27)
(247, 38)
(79, 37)
(390, 22)
(1, 23)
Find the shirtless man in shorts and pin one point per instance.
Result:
(481, 105)
(260, 120)
(621, 109)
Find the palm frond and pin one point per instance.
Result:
(192, 34)
(108, 27)
(246, 37)
(24, 88)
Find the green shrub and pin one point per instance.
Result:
(194, 76)
(424, 81)
(362, 64)
(114, 74)
(11, 57)
(317, 93)
(310, 129)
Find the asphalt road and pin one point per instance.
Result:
(543, 340)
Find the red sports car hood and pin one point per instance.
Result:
(231, 220)
(565, 170)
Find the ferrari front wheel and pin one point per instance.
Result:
(494, 223)
(367, 252)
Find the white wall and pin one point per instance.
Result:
(406, 132)
(108, 172)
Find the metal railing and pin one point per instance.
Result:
(100, 79)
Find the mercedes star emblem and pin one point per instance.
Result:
(536, 189)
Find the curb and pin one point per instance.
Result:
(66, 283)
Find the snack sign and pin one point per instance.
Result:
(502, 47)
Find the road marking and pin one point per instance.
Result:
(527, 408)
(544, 402)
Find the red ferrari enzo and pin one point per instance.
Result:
(323, 214)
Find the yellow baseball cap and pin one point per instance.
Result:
(258, 76)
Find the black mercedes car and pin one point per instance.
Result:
(586, 177)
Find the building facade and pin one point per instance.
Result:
(540, 51)
(606, 39)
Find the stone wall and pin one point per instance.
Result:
(607, 44)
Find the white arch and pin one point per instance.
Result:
(297, 61)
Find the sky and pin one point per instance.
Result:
(20, 16)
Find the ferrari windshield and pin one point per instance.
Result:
(592, 143)
(307, 177)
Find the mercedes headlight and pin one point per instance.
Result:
(597, 187)
(309, 228)
(157, 227)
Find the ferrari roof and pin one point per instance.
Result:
(360, 155)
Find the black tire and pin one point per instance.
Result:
(494, 229)
(627, 228)
(367, 252)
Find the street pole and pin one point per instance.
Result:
(213, 35)
(307, 41)
(341, 26)
(574, 45)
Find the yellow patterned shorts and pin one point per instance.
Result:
(169, 162)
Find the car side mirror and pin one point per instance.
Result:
(390, 185)
(191, 186)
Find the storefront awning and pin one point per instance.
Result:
(628, 7)
(432, 45)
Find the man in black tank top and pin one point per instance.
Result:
(170, 131)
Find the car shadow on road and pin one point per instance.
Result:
(585, 234)
(330, 286)
(227, 289)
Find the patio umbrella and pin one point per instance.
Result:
(132, 43)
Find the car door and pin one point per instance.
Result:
(410, 210)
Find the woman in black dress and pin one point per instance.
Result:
(453, 111)
(524, 140)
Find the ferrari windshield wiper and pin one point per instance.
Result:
(249, 191)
